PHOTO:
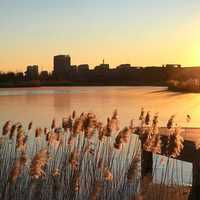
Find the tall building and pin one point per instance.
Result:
(62, 64)
(32, 72)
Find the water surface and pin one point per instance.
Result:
(41, 105)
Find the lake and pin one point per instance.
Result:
(41, 105)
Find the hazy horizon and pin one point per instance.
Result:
(140, 32)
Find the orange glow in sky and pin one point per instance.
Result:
(138, 32)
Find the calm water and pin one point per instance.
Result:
(41, 105)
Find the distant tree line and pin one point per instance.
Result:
(117, 76)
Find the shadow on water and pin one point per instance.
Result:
(170, 93)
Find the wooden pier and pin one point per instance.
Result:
(189, 154)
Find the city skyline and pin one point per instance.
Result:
(101, 63)
(137, 32)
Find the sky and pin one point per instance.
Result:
(139, 32)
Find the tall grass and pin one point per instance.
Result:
(82, 159)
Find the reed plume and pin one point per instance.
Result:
(21, 139)
(15, 171)
(12, 131)
(38, 132)
(86, 167)
(147, 118)
(53, 124)
(141, 117)
(6, 128)
(73, 160)
(17, 168)
(56, 172)
(170, 122)
(107, 174)
(30, 125)
(133, 170)
(78, 126)
(96, 191)
(38, 163)
(175, 143)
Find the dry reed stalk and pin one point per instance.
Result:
(21, 139)
(125, 134)
(107, 174)
(114, 122)
(30, 125)
(55, 139)
(1, 140)
(90, 125)
(147, 118)
(65, 124)
(141, 117)
(131, 126)
(12, 131)
(175, 143)
(107, 129)
(38, 163)
(118, 142)
(38, 132)
(70, 140)
(74, 160)
(46, 131)
(156, 144)
(133, 169)
(96, 191)
(100, 164)
(68, 124)
(74, 114)
(53, 124)
(155, 123)
(17, 168)
(56, 172)
(78, 126)
(75, 182)
(170, 122)
(6, 128)
(15, 172)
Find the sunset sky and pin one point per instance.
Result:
(139, 32)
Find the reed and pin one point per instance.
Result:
(82, 158)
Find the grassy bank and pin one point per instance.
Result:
(191, 85)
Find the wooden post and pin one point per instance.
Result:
(146, 163)
(195, 193)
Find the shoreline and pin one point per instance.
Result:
(74, 84)
(183, 90)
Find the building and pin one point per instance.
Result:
(72, 69)
(19, 76)
(83, 68)
(62, 64)
(32, 72)
(172, 66)
(123, 67)
(44, 75)
(102, 67)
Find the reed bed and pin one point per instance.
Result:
(82, 158)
